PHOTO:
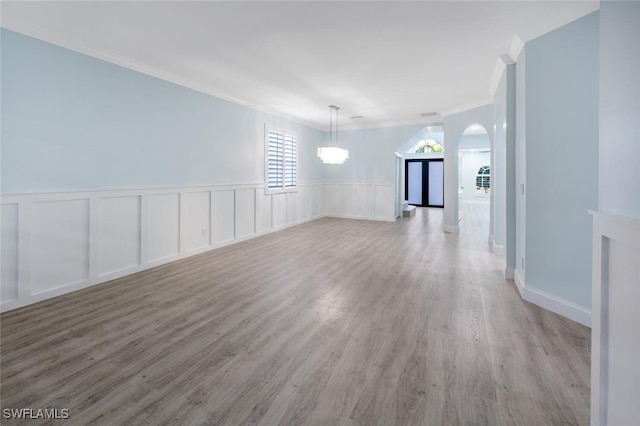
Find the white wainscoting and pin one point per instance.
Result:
(366, 200)
(163, 226)
(56, 243)
(615, 339)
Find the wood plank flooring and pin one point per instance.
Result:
(331, 322)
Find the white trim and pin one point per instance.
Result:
(516, 48)
(498, 70)
(452, 229)
(316, 207)
(55, 38)
(501, 63)
(556, 304)
(434, 120)
(509, 273)
(468, 106)
(27, 295)
(553, 303)
(519, 282)
(355, 217)
(362, 182)
(625, 233)
(497, 248)
(269, 128)
(490, 239)
(58, 39)
(123, 192)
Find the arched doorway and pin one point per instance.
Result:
(474, 178)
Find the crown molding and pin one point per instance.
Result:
(426, 121)
(498, 70)
(516, 48)
(60, 40)
(466, 107)
(503, 60)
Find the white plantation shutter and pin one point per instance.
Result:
(290, 161)
(281, 161)
(275, 158)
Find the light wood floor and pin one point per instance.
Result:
(330, 322)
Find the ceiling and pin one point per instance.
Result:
(385, 61)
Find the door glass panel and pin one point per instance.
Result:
(414, 171)
(436, 183)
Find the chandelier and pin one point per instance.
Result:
(333, 154)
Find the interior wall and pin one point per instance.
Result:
(72, 122)
(107, 172)
(371, 153)
(561, 160)
(364, 186)
(520, 167)
(474, 141)
(615, 376)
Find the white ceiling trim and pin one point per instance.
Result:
(60, 40)
(516, 48)
(468, 106)
(514, 52)
(55, 38)
(497, 75)
(49, 25)
(426, 121)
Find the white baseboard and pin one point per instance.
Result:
(509, 273)
(553, 303)
(519, 280)
(349, 216)
(451, 229)
(497, 248)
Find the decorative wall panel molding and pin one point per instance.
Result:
(56, 243)
(360, 200)
(615, 341)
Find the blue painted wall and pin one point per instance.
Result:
(371, 153)
(562, 158)
(73, 122)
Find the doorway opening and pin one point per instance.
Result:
(424, 182)
(475, 183)
(416, 158)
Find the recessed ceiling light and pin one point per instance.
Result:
(428, 114)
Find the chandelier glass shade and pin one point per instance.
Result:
(333, 154)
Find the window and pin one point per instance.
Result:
(426, 146)
(483, 180)
(281, 160)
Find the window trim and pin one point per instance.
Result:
(285, 132)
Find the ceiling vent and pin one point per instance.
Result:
(428, 114)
